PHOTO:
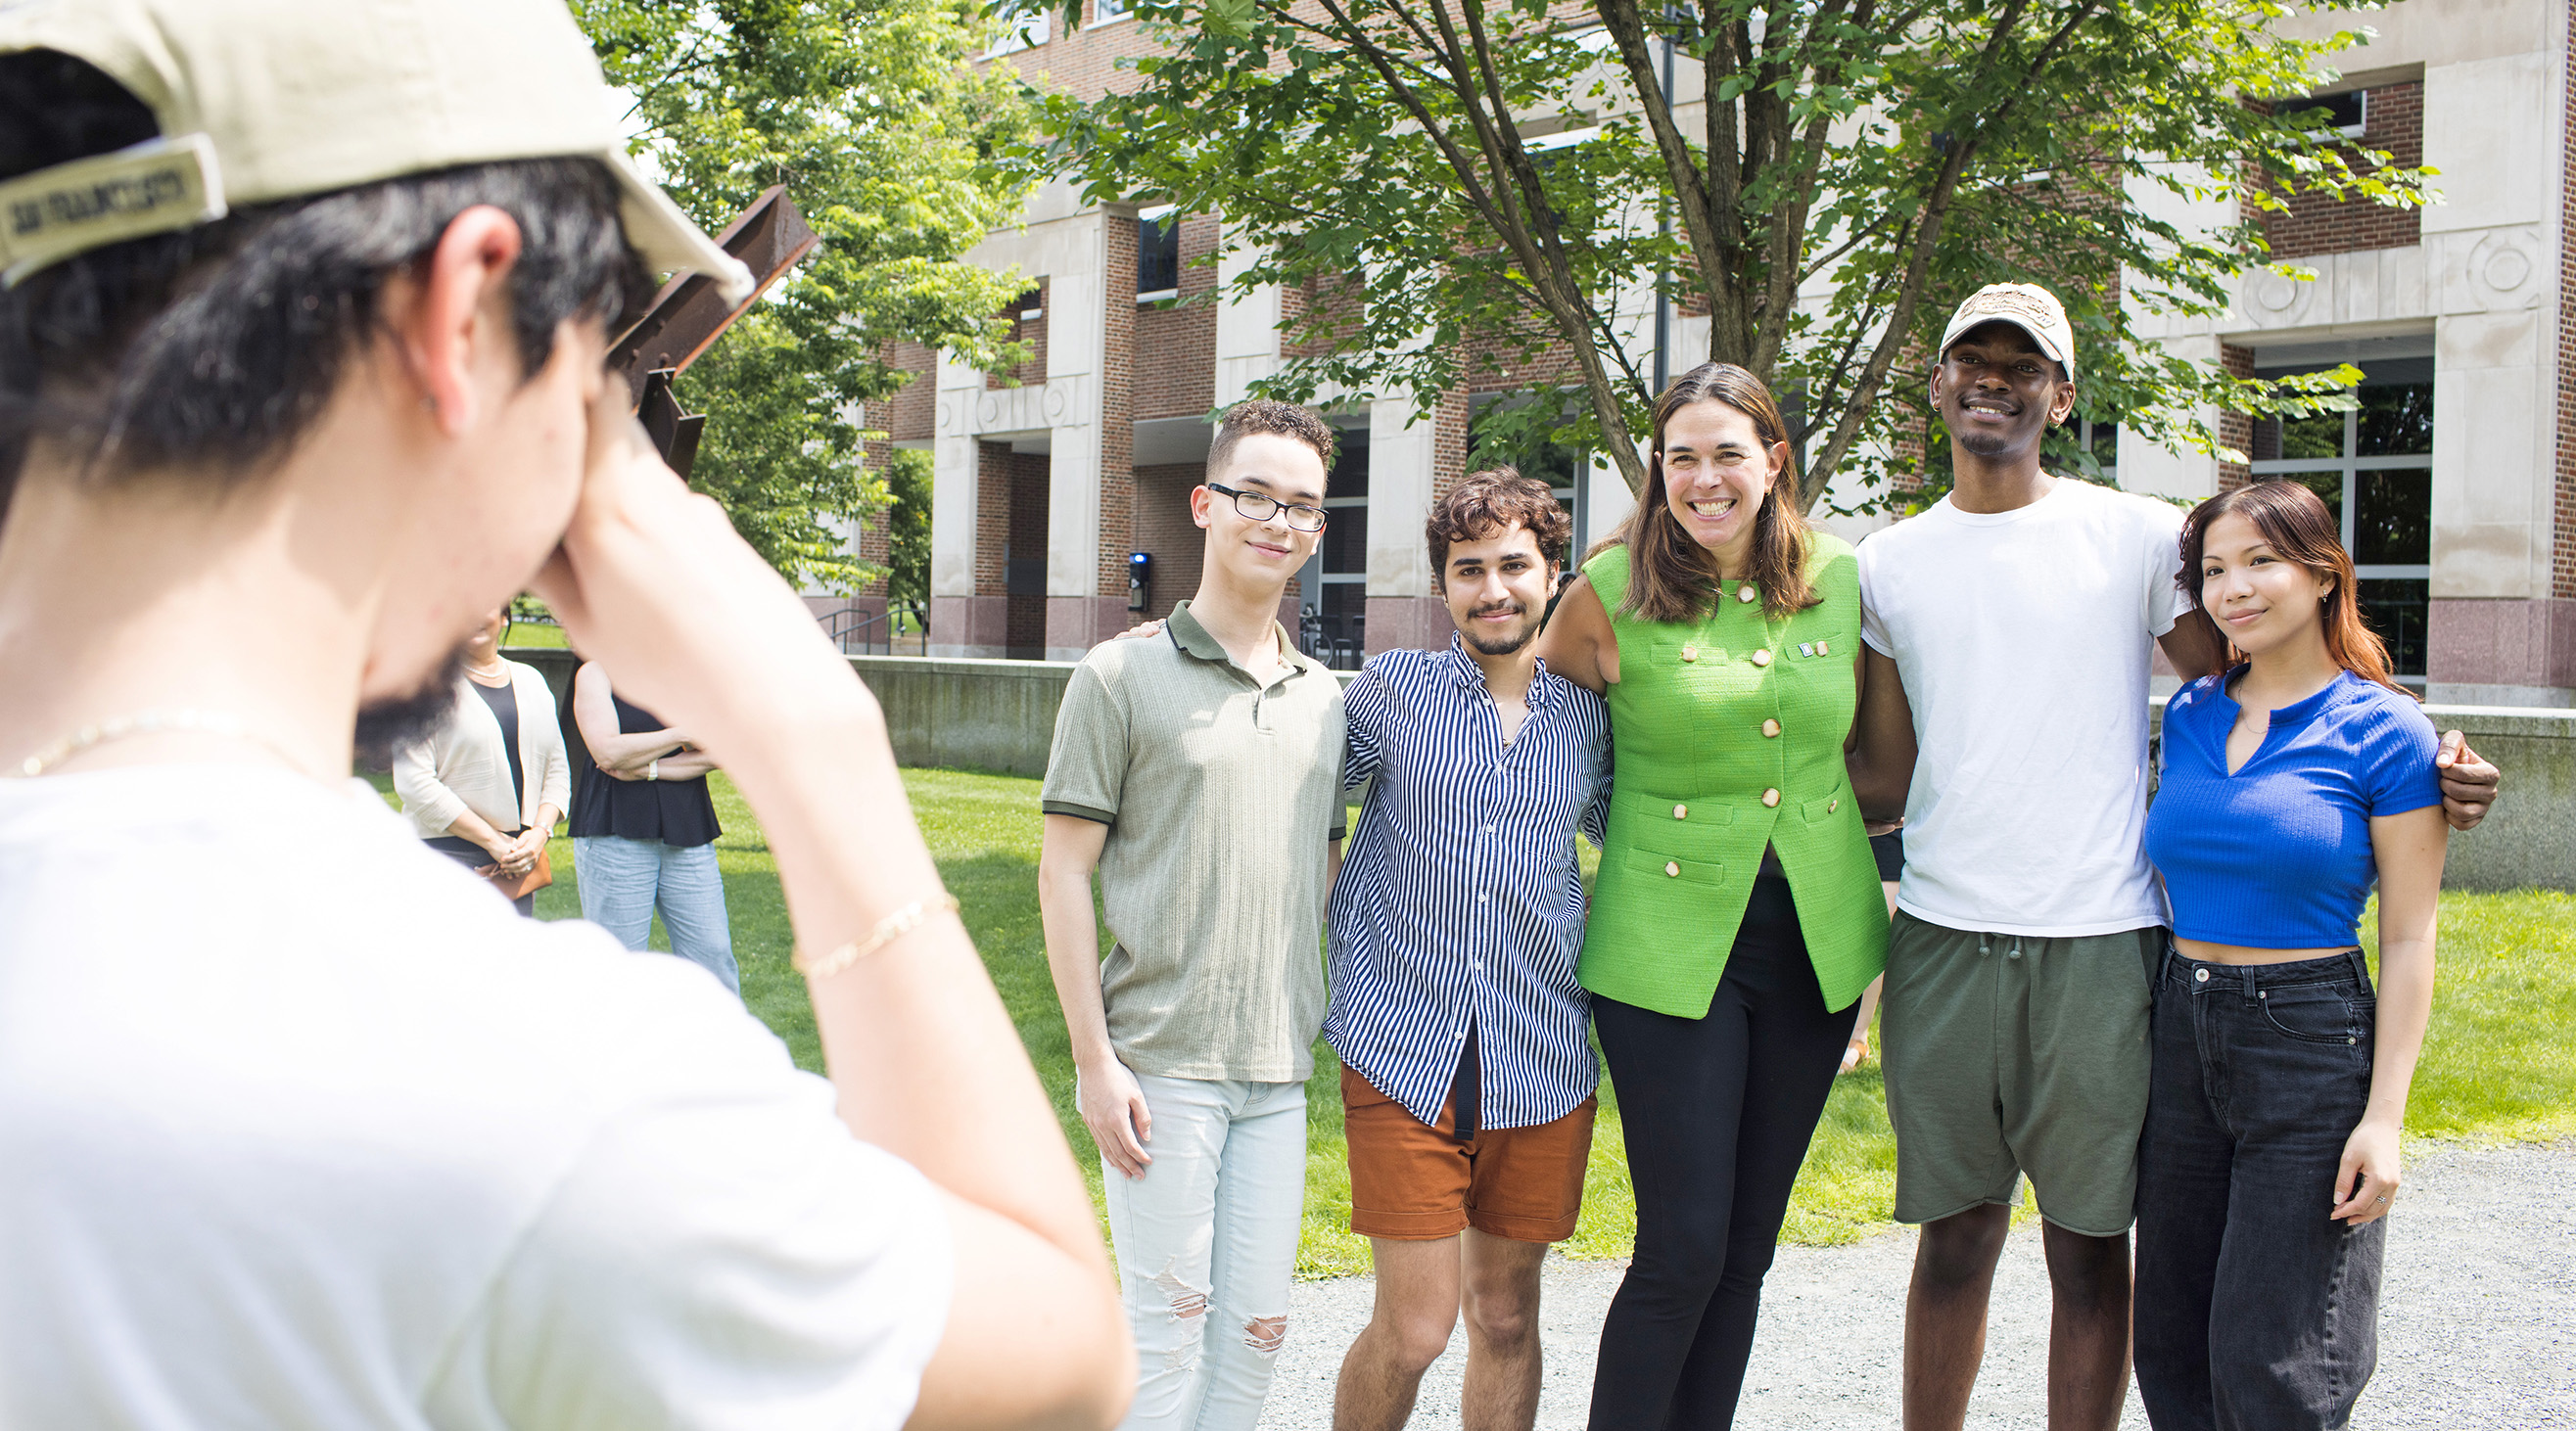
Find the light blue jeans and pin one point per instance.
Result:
(624, 881)
(1207, 1246)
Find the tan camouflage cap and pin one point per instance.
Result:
(2026, 306)
(264, 100)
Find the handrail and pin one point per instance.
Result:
(872, 628)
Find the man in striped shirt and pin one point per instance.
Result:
(1467, 1075)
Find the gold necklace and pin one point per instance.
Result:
(184, 720)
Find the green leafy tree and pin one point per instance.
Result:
(1435, 171)
(908, 527)
(892, 147)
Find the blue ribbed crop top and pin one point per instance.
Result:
(2277, 856)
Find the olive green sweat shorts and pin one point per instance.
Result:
(2007, 1054)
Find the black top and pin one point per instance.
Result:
(504, 701)
(679, 813)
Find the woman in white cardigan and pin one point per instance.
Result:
(487, 787)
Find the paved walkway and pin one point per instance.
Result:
(2477, 1324)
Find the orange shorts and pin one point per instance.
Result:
(1413, 1181)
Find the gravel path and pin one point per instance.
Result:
(2477, 1324)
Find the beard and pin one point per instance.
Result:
(387, 725)
(1490, 645)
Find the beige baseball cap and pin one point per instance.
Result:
(2026, 306)
(264, 100)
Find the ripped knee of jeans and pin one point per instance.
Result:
(1265, 1335)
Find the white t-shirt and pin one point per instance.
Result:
(302, 1127)
(2025, 639)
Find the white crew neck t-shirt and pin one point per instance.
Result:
(2025, 639)
(302, 1127)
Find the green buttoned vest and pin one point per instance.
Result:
(1728, 736)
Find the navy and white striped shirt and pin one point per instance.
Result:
(1459, 907)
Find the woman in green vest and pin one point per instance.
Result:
(1737, 917)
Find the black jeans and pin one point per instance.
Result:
(1718, 1112)
(2254, 1310)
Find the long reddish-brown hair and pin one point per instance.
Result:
(2294, 522)
(1670, 577)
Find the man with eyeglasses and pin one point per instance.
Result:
(1200, 773)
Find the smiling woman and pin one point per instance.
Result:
(2292, 784)
(1725, 636)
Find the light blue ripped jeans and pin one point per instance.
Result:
(623, 881)
(1207, 1247)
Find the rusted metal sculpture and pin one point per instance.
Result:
(688, 314)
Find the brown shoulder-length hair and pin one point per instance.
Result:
(2295, 523)
(1670, 577)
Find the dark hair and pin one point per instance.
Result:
(1670, 577)
(218, 346)
(1489, 503)
(1267, 415)
(2295, 523)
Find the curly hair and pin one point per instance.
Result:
(1489, 503)
(1254, 415)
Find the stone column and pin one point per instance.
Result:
(964, 619)
(1247, 331)
(2500, 632)
(1091, 480)
(1410, 465)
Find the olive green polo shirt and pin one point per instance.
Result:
(1222, 796)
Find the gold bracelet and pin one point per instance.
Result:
(889, 929)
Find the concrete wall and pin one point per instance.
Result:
(968, 714)
(1000, 716)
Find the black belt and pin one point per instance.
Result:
(1465, 1098)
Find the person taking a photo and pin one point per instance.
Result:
(299, 1126)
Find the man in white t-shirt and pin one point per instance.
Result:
(2011, 629)
(303, 312)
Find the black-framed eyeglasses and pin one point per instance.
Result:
(1261, 507)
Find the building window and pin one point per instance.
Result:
(2374, 468)
(1158, 254)
(1333, 585)
(2099, 441)
(1018, 25)
(1104, 11)
(2347, 114)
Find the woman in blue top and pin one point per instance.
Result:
(2291, 783)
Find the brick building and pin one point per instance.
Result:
(2456, 480)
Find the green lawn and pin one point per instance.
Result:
(2497, 1065)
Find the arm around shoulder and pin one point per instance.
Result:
(1579, 642)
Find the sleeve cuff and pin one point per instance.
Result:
(1079, 812)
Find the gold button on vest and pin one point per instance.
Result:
(1762, 658)
(1681, 812)
(1690, 653)
(1771, 728)
(1770, 797)
(1673, 868)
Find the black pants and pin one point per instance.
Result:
(1718, 1112)
(2255, 1312)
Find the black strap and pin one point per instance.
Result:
(1466, 1099)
